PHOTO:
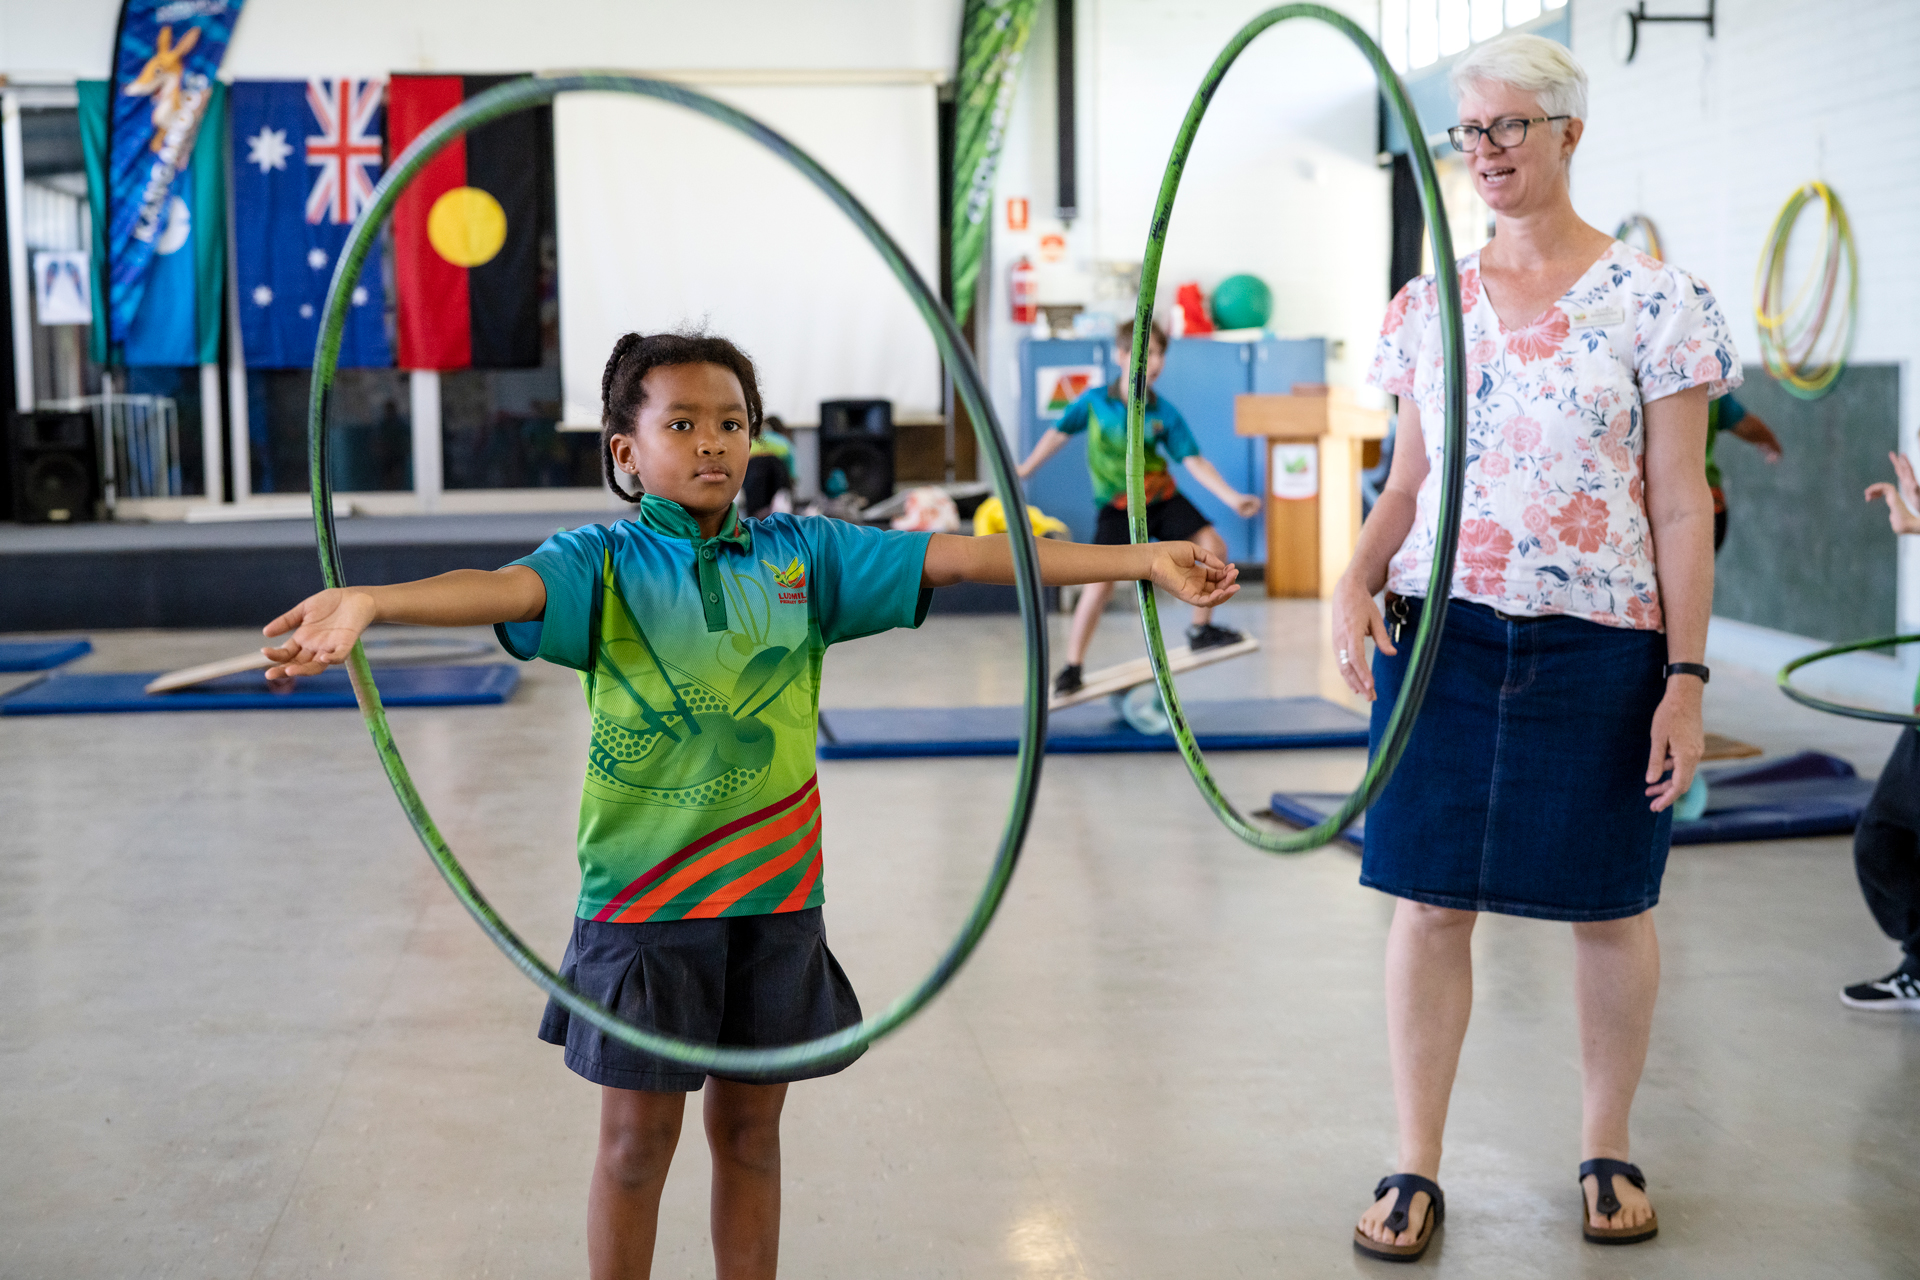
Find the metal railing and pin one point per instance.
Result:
(139, 442)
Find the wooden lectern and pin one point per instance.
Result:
(1319, 440)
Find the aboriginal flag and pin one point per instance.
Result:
(467, 231)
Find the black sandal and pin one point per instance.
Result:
(1406, 1184)
(1607, 1204)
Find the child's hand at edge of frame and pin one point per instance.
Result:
(1903, 500)
(323, 630)
(1197, 577)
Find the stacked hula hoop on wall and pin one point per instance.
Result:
(1640, 224)
(1426, 643)
(1805, 338)
(522, 95)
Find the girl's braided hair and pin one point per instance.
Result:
(634, 355)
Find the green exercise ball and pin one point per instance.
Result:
(1242, 302)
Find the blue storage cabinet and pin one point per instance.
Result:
(1201, 378)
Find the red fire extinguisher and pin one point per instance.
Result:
(1021, 291)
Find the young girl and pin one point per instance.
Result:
(699, 638)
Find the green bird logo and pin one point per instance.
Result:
(793, 577)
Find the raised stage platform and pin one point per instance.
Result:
(170, 574)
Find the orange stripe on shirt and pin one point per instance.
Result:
(798, 898)
(720, 899)
(666, 891)
(666, 865)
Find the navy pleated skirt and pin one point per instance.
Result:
(1523, 788)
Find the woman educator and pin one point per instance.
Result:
(1563, 719)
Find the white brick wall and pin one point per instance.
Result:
(1710, 136)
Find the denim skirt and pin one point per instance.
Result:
(1523, 786)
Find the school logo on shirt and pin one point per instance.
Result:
(793, 578)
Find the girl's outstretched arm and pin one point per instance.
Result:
(1196, 576)
(324, 626)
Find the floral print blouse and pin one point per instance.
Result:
(1554, 518)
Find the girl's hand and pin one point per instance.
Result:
(324, 627)
(1903, 503)
(1355, 617)
(1679, 740)
(1246, 505)
(1198, 577)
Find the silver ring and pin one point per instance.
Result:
(1343, 658)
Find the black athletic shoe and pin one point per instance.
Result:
(1068, 681)
(1208, 636)
(1898, 992)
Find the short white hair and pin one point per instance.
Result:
(1534, 64)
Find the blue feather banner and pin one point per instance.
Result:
(164, 60)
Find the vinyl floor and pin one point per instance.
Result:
(246, 1032)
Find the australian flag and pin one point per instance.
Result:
(306, 154)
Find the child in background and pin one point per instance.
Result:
(769, 483)
(699, 638)
(1102, 413)
(1886, 845)
(1728, 414)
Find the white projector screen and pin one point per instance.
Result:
(667, 219)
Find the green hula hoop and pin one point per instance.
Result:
(1841, 708)
(533, 91)
(1426, 643)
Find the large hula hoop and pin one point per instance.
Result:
(1841, 708)
(1426, 643)
(521, 95)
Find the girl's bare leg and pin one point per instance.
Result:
(638, 1132)
(743, 1131)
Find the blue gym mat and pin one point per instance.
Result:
(95, 693)
(38, 655)
(1250, 724)
(1810, 794)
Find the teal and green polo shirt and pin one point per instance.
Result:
(1102, 413)
(701, 660)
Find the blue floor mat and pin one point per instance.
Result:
(1248, 724)
(39, 655)
(95, 693)
(1810, 794)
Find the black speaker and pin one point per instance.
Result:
(856, 440)
(54, 467)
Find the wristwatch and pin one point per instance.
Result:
(1686, 669)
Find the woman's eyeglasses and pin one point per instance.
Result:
(1505, 133)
